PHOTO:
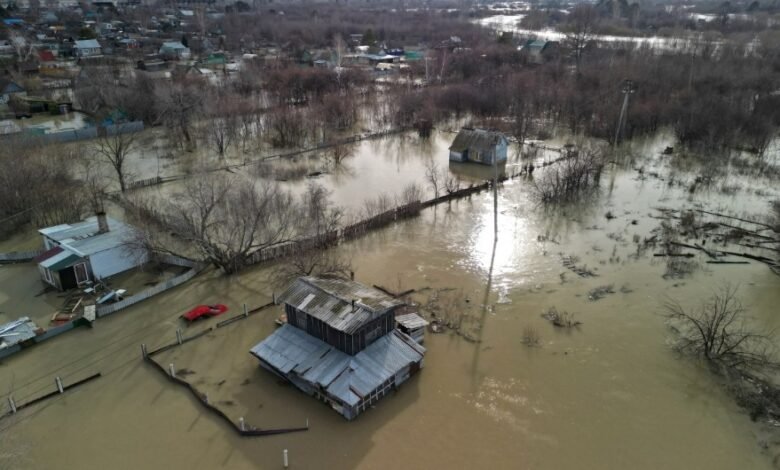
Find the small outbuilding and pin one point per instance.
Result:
(175, 50)
(479, 146)
(94, 249)
(87, 48)
(340, 344)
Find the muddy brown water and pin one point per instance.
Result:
(609, 394)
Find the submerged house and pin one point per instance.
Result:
(94, 249)
(480, 146)
(340, 344)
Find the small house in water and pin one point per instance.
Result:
(479, 146)
(340, 344)
(93, 249)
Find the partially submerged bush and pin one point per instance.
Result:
(566, 180)
(561, 319)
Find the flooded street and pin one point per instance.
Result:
(608, 394)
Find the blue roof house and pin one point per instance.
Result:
(94, 249)
(340, 344)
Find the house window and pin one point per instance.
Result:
(81, 273)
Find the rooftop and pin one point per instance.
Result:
(481, 140)
(83, 239)
(347, 378)
(330, 300)
(87, 44)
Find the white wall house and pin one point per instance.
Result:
(87, 48)
(94, 249)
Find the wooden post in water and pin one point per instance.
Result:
(286, 459)
(58, 382)
(144, 354)
(172, 370)
(178, 336)
(12, 404)
(246, 311)
(241, 424)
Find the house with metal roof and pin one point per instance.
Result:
(175, 50)
(480, 146)
(539, 50)
(340, 344)
(94, 249)
(87, 48)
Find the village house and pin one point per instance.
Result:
(539, 50)
(479, 146)
(94, 249)
(340, 344)
(9, 89)
(175, 50)
(87, 48)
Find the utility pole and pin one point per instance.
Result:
(628, 88)
(495, 199)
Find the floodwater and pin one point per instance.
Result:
(609, 394)
(511, 23)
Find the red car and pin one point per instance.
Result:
(204, 311)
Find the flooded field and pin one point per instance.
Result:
(609, 394)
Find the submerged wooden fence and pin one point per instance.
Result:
(59, 388)
(19, 256)
(242, 428)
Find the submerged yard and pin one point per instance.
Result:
(609, 393)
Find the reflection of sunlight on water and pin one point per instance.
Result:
(505, 402)
(513, 250)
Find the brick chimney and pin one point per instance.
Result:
(102, 222)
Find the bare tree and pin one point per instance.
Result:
(717, 331)
(288, 128)
(319, 221)
(113, 147)
(177, 104)
(21, 45)
(580, 29)
(432, 175)
(225, 219)
(579, 172)
(412, 192)
(340, 152)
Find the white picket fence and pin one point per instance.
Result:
(195, 268)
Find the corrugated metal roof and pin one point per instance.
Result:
(87, 44)
(83, 238)
(347, 378)
(47, 254)
(480, 140)
(330, 300)
(16, 332)
(411, 321)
